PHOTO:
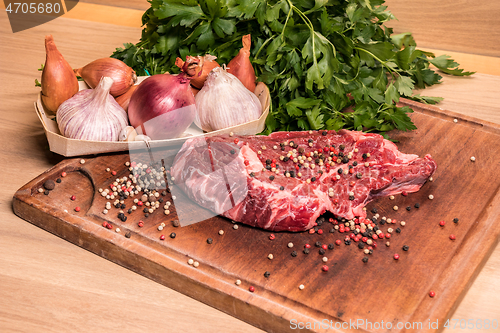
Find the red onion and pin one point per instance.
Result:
(162, 106)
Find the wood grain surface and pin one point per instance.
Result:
(49, 284)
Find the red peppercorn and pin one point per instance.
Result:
(113, 173)
(246, 162)
(374, 244)
(325, 149)
(109, 226)
(307, 246)
(139, 203)
(251, 289)
(325, 268)
(381, 235)
(332, 149)
(73, 198)
(104, 224)
(351, 236)
(324, 247)
(375, 236)
(63, 174)
(162, 237)
(370, 247)
(432, 293)
(320, 231)
(351, 170)
(396, 256)
(140, 224)
(271, 236)
(236, 141)
(442, 223)
(331, 220)
(387, 235)
(404, 193)
(364, 239)
(452, 237)
(335, 201)
(77, 209)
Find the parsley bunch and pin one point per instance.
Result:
(319, 58)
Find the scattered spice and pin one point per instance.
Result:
(251, 289)
(237, 282)
(210, 240)
(365, 259)
(301, 287)
(432, 293)
(49, 184)
(77, 209)
(267, 274)
(455, 220)
(452, 237)
(396, 256)
(406, 247)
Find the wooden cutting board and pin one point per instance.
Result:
(353, 296)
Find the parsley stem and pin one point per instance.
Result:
(383, 63)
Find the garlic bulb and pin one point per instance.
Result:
(92, 114)
(225, 102)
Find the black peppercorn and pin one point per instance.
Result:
(58, 180)
(398, 230)
(365, 259)
(306, 251)
(361, 245)
(330, 246)
(294, 253)
(455, 220)
(374, 210)
(282, 188)
(321, 251)
(172, 235)
(408, 208)
(210, 240)
(405, 247)
(417, 205)
(271, 177)
(267, 274)
(317, 244)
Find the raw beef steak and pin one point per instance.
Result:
(286, 180)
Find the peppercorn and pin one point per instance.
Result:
(321, 251)
(49, 184)
(398, 230)
(351, 197)
(251, 289)
(405, 247)
(442, 223)
(172, 235)
(325, 268)
(46, 192)
(282, 188)
(432, 294)
(324, 133)
(365, 259)
(317, 244)
(452, 237)
(294, 253)
(347, 242)
(58, 180)
(176, 223)
(364, 156)
(396, 256)
(306, 251)
(455, 220)
(128, 234)
(361, 245)
(210, 240)
(408, 208)
(267, 274)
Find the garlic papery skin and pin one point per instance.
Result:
(92, 114)
(225, 102)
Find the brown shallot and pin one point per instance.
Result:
(124, 99)
(197, 68)
(123, 76)
(241, 66)
(59, 83)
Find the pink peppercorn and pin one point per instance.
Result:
(396, 256)
(375, 236)
(236, 140)
(139, 203)
(325, 268)
(247, 162)
(307, 246)
(311, 231)
(63, 174)
(113, 173)
(162, 237)
(387, 235)
(452, 237)
(251, 288)
(432, 293)
(404, 193)
(77, 209)
(324, 247)
(320, 231)
(104, 224)
(364, 239)
(140, 224)
(271, 236)
(442, 223)
(109, 226)
(73, 198)
(338, 242)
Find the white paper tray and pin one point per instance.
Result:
(71, 147)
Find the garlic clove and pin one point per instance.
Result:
(127, 134)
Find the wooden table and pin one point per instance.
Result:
(48, 284)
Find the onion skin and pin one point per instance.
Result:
(241, 67)
(197, 68)
(162, 106)
(123, 76)
(59, 83)
(124, 99)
